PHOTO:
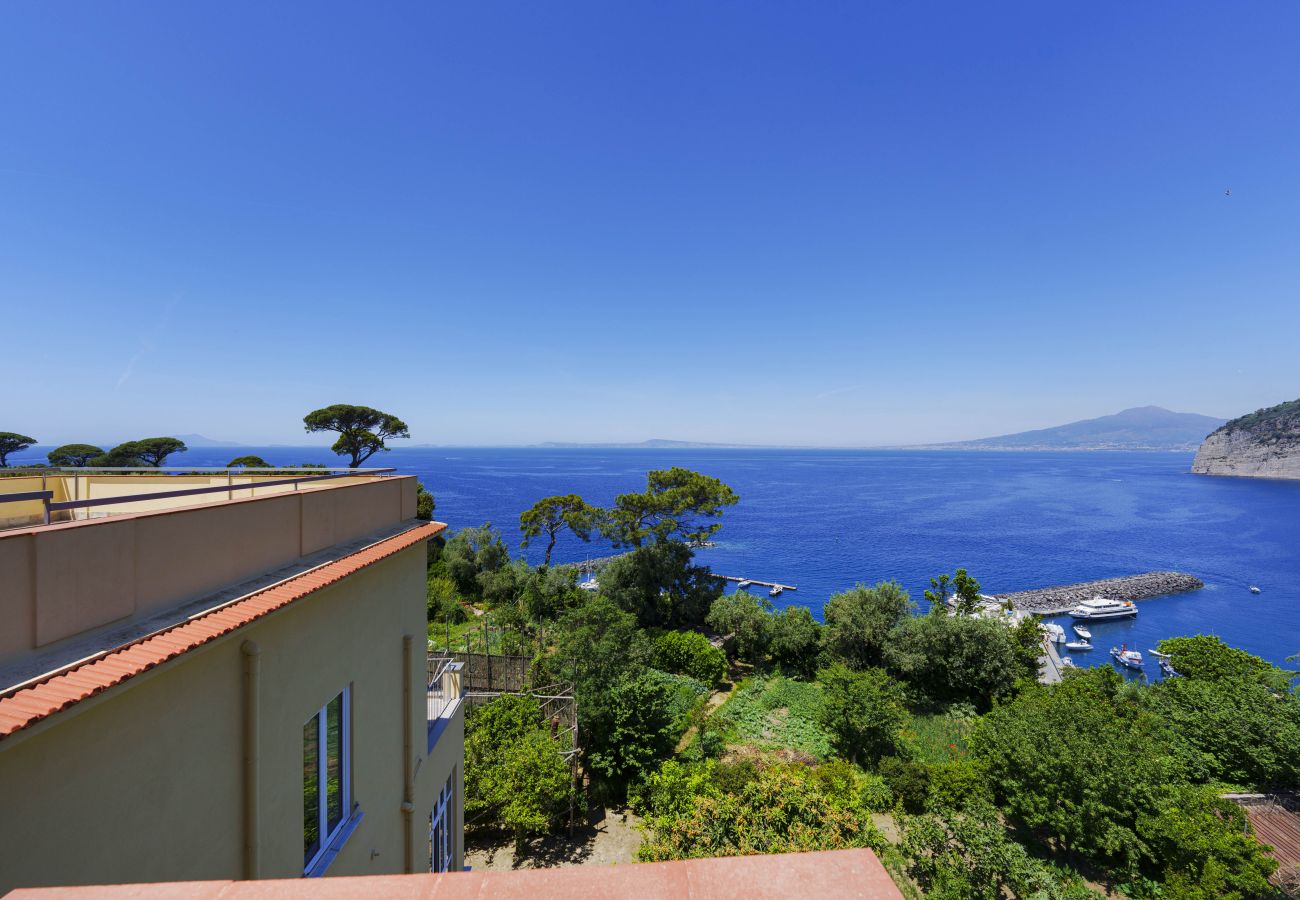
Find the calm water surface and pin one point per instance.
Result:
(823, 520)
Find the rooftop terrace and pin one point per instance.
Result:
(138, 555)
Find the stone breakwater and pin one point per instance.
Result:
(1053, 601)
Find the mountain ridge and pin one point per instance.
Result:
(1136, 428)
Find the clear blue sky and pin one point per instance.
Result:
(829, 223)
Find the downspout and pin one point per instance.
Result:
(408, 761)
(252, 675)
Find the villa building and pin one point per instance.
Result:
(221, 678)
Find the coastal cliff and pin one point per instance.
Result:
(1263, 444)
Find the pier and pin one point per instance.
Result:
(1053, 601)
(766, 584)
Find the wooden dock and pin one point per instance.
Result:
(766, 584)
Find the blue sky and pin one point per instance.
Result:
(831, 223)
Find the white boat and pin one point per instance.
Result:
(1078, 645)
(775, 591)
(1067, 663)
(1083, 632)
(741, 585)
(1158, 655)
(1126, 657)
(1254, 589)
(1101, 608)
(1055, 633)
(591, 584)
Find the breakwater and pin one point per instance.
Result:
(1052, 601)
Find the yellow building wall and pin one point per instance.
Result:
(145, 782)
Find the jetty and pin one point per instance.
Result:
(1053, 601)
(766, 584)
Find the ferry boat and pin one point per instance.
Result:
(1078, 645)
(1083, 632)
(1101, 608)
(1126, 657)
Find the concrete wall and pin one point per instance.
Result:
(145, 782)
(61, 580)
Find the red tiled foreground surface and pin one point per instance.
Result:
(831, 874)
(24, 707)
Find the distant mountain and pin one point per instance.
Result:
(1262, 444)
(652, 444)
(1140, 428)
(198, 440)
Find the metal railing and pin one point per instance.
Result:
(51, 505)
(444, 684)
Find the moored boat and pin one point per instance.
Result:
(1167, 670)
(1055, 633)
(1126, 657)
(741, 585)
(775, 591)
(1101, 608)
(1078, 645)
(1083, 632)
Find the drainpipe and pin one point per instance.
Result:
(408, 761)
(252, 675)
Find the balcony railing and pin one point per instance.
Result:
(444, 685)
(236, 480)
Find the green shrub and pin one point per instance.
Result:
(690, 653)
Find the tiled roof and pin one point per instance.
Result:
(26, 705)
(826, 874)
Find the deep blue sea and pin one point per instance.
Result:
(823, 520)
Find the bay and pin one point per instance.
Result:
(824, 520)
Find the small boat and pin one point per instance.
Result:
(1167, 670)
(591, 584)
(1254, 589)
(1055, 633)
(1101, 608)
(775, 591)
(1067, 663)
(1126, 657)
(1083, 632)
(741, 585)
(1158, 655)
(1078, 645)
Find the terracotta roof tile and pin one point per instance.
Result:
(826, 874)
(25, 706)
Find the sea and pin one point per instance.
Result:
(825, 520)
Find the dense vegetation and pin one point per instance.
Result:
(1282, 416)
(997, 786)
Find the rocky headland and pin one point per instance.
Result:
(1263, 444)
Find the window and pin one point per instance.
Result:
(326, 777)
(442, 840)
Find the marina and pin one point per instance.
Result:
(1054, 601)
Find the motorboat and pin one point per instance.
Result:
(775, 591)
(1078, 645)
(1158, 655)
(1083, 632)
(1167, 670)
(1055, 633)
(1101, 608)
(741, 585)
(1067, 663)
(1126, 657)
(1254, 589)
